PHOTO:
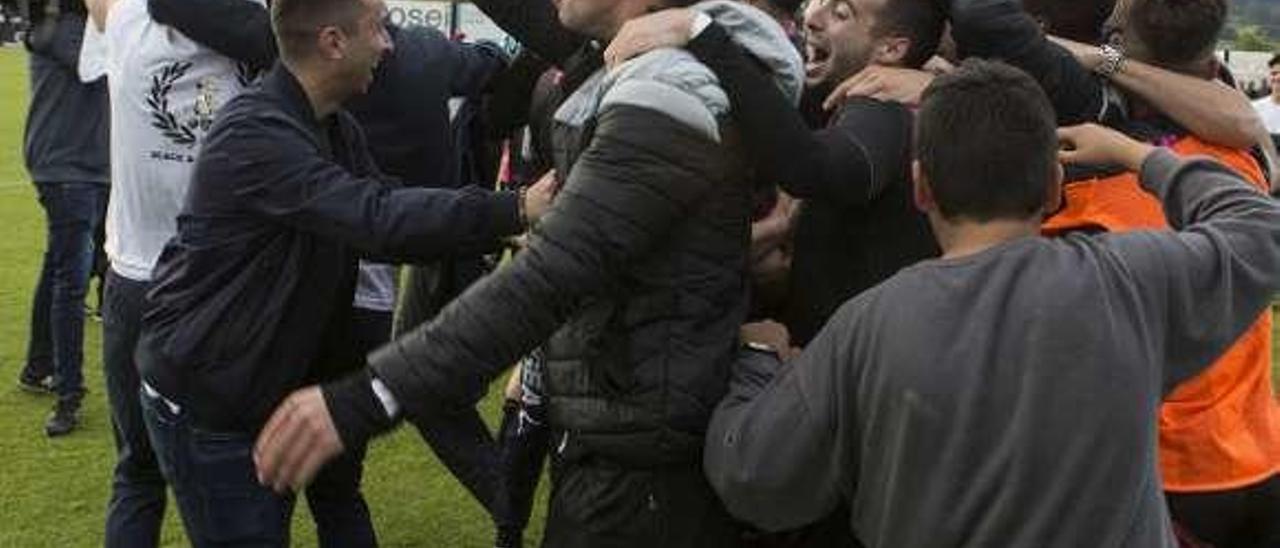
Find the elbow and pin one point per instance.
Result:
(736, 493)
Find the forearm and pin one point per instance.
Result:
(278, 175)
(806, 164)
(239, 29)
(1000, 29)
(536, 25)
(770, 457)
(1209, 109)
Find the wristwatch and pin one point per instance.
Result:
(1112, 61)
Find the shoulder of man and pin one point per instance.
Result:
(251, 119)
(672, 82)
(859, 111)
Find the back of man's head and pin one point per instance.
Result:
(297, 23)
(1079, 20)
(920, 21)
(986, 142)
(1177, 34)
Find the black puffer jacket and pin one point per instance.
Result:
(641, 261)
(635, 279)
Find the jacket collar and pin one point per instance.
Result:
(293, 100)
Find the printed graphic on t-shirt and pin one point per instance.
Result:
(179, 132)
(247, 75)
(183, 128)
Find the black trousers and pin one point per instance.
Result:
(1240, 518)
(601, 504)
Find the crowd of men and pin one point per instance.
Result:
(825, 273)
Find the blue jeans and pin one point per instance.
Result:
(137, 489)
(56, 346)
(223, 505)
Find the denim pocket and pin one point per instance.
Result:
(164, 430)
(235, 507)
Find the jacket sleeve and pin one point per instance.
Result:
(830, 163)
(427, 60)
(1000, 29)
(470, 67)
(642, 173)
(1203, 286)
(276, 172)
(775, 452)
(62, 41)
(536, 25)
(238, 29)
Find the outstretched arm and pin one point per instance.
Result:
(536, 25)
(1202, 286)
(239, 29)
(845, 163)
(1210, 109)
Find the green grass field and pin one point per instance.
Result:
(54, 492)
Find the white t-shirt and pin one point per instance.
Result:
(1269, 110)
(93, 54)
(165, 90)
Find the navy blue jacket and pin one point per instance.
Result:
(68, 124)
(252, 297)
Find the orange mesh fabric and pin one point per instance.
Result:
(1221, 429)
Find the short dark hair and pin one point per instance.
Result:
(790, 7)
(1177, 33)
(1078, 20)
(986, 140)
(920, 21)
(1275, 60)
(296, 22)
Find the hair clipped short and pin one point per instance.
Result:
(1178, 33)
(986, 140)
(297, 23)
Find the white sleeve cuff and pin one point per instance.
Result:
(389, 403)
(700, 23)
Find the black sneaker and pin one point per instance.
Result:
(65, 418)
(42, 386)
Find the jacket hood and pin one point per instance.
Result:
(762, 36)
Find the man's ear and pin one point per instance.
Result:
(891, 51)
(1053, 194)
(921, 192)
(331, 42)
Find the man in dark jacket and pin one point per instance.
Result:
(253, 297)
(405, 115)
(65, 147)
(640, 267)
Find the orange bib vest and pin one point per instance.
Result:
(1219, 430)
